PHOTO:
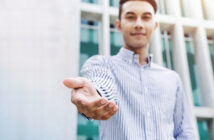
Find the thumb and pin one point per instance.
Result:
(74, 82)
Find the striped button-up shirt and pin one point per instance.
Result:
(151, 100)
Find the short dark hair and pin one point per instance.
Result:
(152, 2)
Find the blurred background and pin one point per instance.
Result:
(44, 41)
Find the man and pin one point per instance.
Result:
(133, 98)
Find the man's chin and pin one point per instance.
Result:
(138, 46)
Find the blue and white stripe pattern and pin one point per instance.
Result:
(151, 100)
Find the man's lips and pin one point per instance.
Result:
(138, 34)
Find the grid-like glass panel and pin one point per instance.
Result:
(166, 43)
(91, 1)
(89, 40)
(203, 130)
(193, 71)
(115, 40)
(114, 3)
(211, 49)
(88, 130)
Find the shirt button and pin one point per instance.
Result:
(146, 90)
(148, 114)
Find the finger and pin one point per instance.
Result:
(89, 108)
(103, 109)
(109, 114)
(75, 82)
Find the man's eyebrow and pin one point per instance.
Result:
(129, 13)
(147, 13)
(133, 13)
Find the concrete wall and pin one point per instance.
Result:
(39, 42)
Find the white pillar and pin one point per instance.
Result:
(193, 8)
(173, 7)
(204, 67)
(208, 9)
(181, 66)
(156, 48)
(180, 59)
(104, 44)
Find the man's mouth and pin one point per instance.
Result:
(138, 34)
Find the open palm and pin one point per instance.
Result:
(88, 101)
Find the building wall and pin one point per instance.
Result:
(180, 43)
(39, 47)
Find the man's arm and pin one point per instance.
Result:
(88, 101)
(97, 69)
(183, 128)
(95, 94)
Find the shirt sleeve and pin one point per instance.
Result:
(98, 70)
(183, 128)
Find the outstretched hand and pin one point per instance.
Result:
(88, 101)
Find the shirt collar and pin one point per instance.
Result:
(130, 57)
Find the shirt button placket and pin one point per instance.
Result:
(141, 74)
(146, 90)
(148, 114)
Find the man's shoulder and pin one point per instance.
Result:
(166, 74)
(99, 60)
(160, 68)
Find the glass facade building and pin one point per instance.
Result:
(91, 44)
(116, 41)
(193, 70)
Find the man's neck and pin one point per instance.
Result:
(143, 54)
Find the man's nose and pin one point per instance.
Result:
(139, 24)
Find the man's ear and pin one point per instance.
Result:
(156, 25)
(118, 24)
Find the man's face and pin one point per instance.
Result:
(137, 24)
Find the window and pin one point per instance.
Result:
(114, 3)
(88, 40)
(91, 1)
(88, 130)
(192, 70)
(115, 40)
(203, 129)
(211, 49)
(166, 43)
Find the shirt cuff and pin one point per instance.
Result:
(84, 116)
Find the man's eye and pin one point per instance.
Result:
(130, 17)
(147, 17)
